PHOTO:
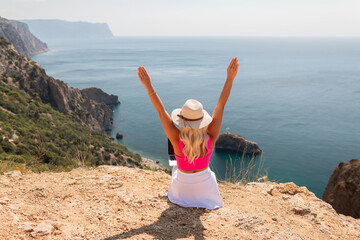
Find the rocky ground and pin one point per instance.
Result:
(152, 164)
(126, 203)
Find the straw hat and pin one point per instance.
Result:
(191, 115)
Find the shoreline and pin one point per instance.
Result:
(288, 156)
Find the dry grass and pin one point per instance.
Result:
(7, 166)
(250, 169)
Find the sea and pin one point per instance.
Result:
(298, 98)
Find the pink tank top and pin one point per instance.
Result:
(199, 163)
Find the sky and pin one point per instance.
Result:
(314, 18)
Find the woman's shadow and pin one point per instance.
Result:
(175, 222)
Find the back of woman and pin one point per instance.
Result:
(195, 148)
(194, 141)
(193, 183)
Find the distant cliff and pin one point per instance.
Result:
(49, 30)
(31, 77)
(19, 35)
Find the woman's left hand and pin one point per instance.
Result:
(144, 76)
(233, 68)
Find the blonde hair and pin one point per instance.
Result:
(195, 142)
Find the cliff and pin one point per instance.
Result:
(343, 188)
(47, 126)
(27, 75)
(50, 30)
(19, 35)
(129, 203)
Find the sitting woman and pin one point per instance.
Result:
(193, 183)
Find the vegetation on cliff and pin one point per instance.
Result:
(29, 76)
(35, 136)
(46, 125)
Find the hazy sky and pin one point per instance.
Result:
(200, 17)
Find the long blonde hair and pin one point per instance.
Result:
(195, 142)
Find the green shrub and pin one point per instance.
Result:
(4, 41)
(137, 157)
(21, 149)
(41, 146)
(11, 52)
(33, 72)
(7, 146)
(16, 158)
(41, 168)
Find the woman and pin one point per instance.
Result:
(193, 184)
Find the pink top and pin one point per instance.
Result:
(199, 163)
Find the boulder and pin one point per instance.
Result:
(15, 173)
(231, 142)
(119, 136)
(44, 228)
(343, 188)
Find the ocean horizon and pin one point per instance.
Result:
(298, 98)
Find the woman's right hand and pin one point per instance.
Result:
(232, 69)
(144, 77)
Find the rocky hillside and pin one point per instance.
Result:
(30, 77)
(44, 124)
(19, 35)
(129, 203)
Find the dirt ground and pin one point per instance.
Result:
(126, 203)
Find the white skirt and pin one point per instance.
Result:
(198, 189)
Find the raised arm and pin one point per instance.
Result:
(215, 125)
(171, 130)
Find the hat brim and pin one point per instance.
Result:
(205, 121)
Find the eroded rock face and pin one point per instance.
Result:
(19, 35)
(31, 77)
(343, 188)
(231, 142)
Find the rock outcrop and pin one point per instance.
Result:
(99, 95)
(343, 188)
(113, 202)
(31, 77)
(19, 35)
(53, 30)
(231, 142)
(119, 136)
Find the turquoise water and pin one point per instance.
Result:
(299, 99)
